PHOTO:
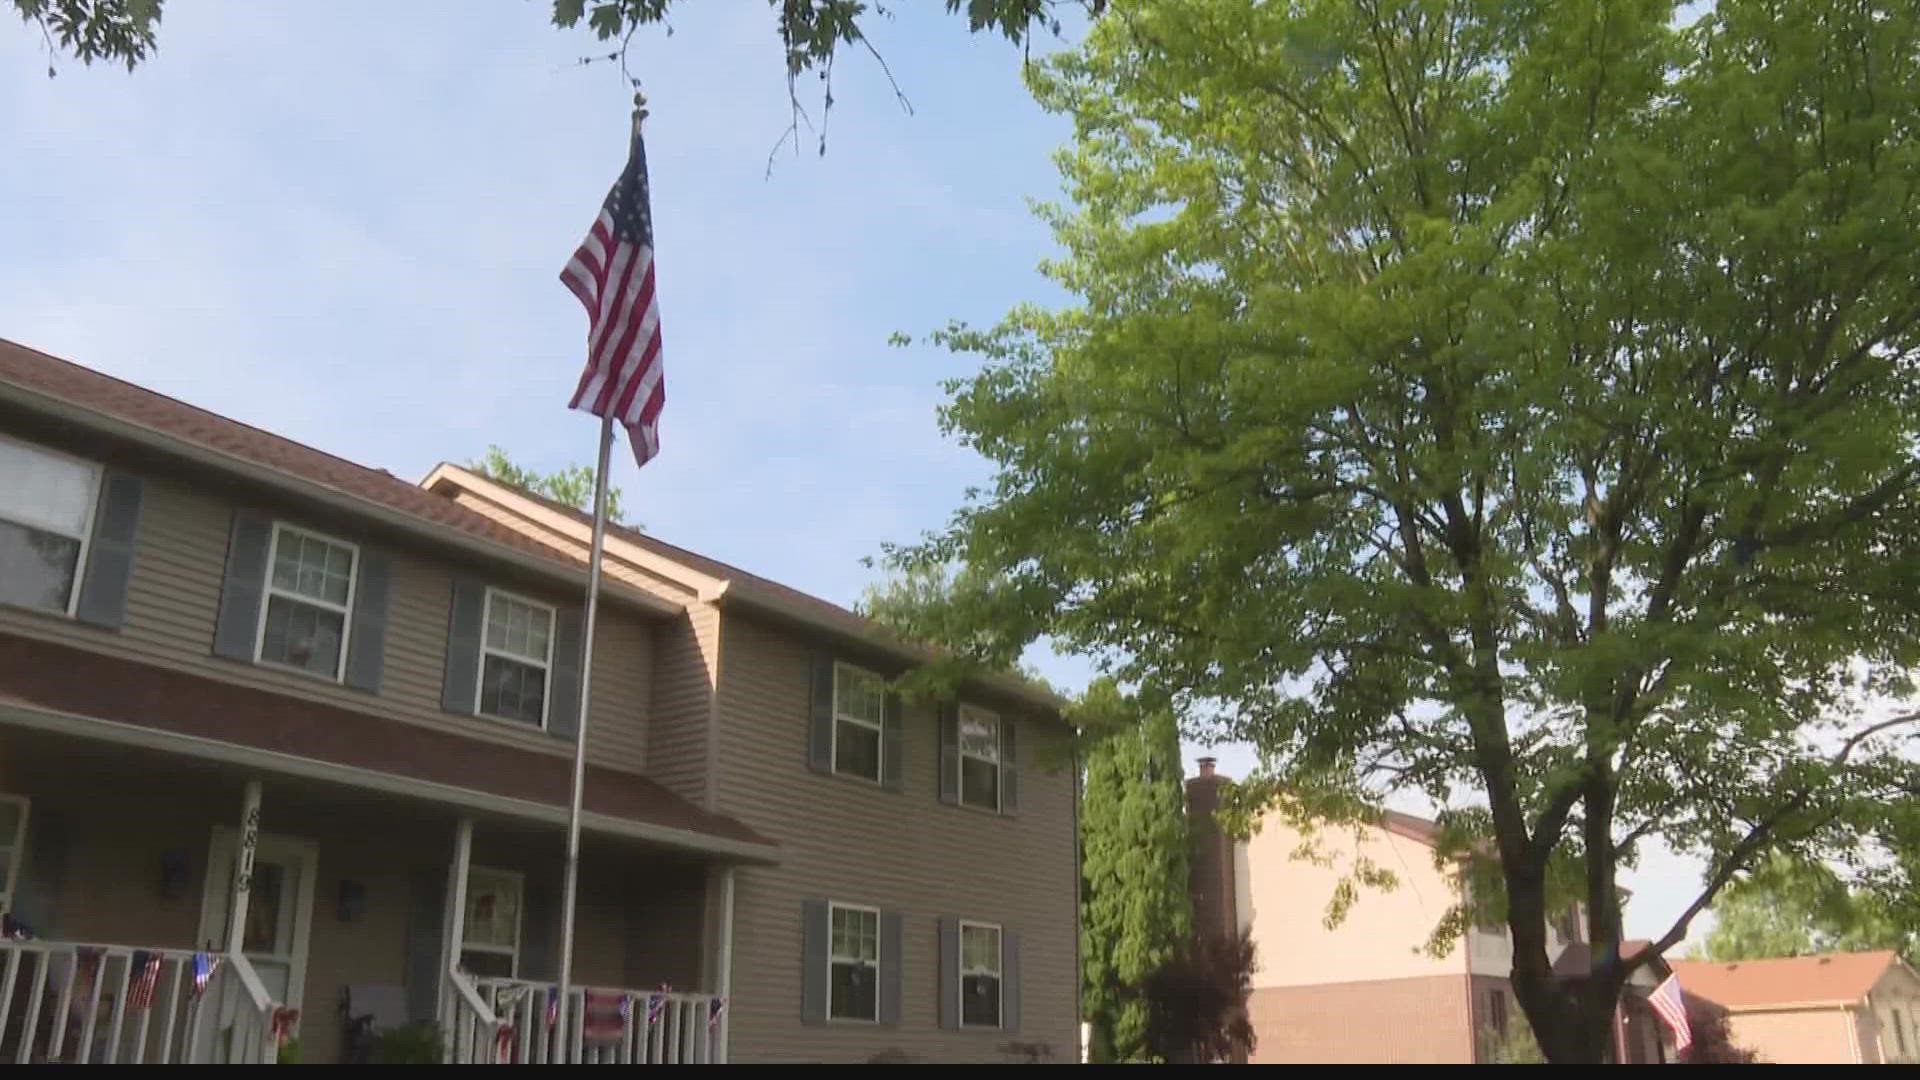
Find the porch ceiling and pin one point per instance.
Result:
(57, 688)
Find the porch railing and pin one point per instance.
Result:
(66, 1001)
(495, 1020)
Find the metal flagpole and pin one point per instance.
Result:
(580, 740)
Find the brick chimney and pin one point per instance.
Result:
(1210, 871)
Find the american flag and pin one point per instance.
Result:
(612, 274)
(203, 966)
(146, 979)
(1667, 1001)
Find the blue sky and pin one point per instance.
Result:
(344, 222)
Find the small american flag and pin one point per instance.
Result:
(146, 979)
(1667, 1001)
(203, 966)
(612, 274)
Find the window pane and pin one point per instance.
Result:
(979, 783)
(861, 695)
(312, 567)
(6, 869)
(303, 636)
(979, 949)
(493, 909)
(980, 734)
(519, 629)
(856, 750)
(855, 993)
(514, 691)
(44, 491)
(980, 1001)
(36, 568)
(263, 908)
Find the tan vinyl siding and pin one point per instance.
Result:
(844, 840)
(174, 596)
(614, 568)
(685, 659)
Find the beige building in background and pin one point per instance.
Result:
(1366, 991)
(1842, 1008)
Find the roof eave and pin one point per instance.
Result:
(141, 435)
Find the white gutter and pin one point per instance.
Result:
(332, 498)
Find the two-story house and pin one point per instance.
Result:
(1366, 989)
(285, 760)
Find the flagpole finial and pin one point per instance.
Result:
(639, 108)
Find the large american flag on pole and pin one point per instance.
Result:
(1667, 1001)
(612, 274)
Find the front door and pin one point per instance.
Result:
(279, 910)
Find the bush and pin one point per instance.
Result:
(1713, 1039)
(413, 1044)
(1197, 1002)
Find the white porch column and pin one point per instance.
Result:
(725, 989)
(247, 843)
(453, 931)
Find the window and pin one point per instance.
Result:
(853, 990)
(979, 758)
(491, 945)
(13, 839)
(859, 713)
(1497, 1011)
(979, 975)
(1567, 923)
(303, 624)
(46, 515)
(516, 655)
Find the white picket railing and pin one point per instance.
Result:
(65, 1001)
(660, 1028)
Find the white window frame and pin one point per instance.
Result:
(999, 974)
(960, 759)
(880, 729)
(512, 953)
(879, 959)
(480, 675)
(96, 472)
(268, 592)
(16, 848)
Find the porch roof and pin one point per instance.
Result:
(77, 691)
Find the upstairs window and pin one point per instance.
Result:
(859, 715)
(516, 659)
(303, 624)
(979, 758)
(46, 515)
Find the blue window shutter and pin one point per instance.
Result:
(893, 763)
(116, 525)
(815, 935)
(950, 752)
(890, 967)
(820, 716)
(466, 619)
(1009, 980)
(563, 694)
(1009, 768)
(238, 626)
(950, 972)
(367, 640)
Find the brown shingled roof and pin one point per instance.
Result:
(60, 679)
(69, 382)
(1833, 979)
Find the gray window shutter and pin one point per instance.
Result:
(234, 635)
(466, 621)
(892, 762)
(1010, 980)
(563, 694)
(950, 752)
(814, 941)
(426, 923)
(950, 972)
(1009, 768)
(367, 640)
(103, 588)
(540, 928)
(820, 716)
(890, 967)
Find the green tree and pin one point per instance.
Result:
(572, 485)
(1136, 914)
(1792, 907)
(1492, 398)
